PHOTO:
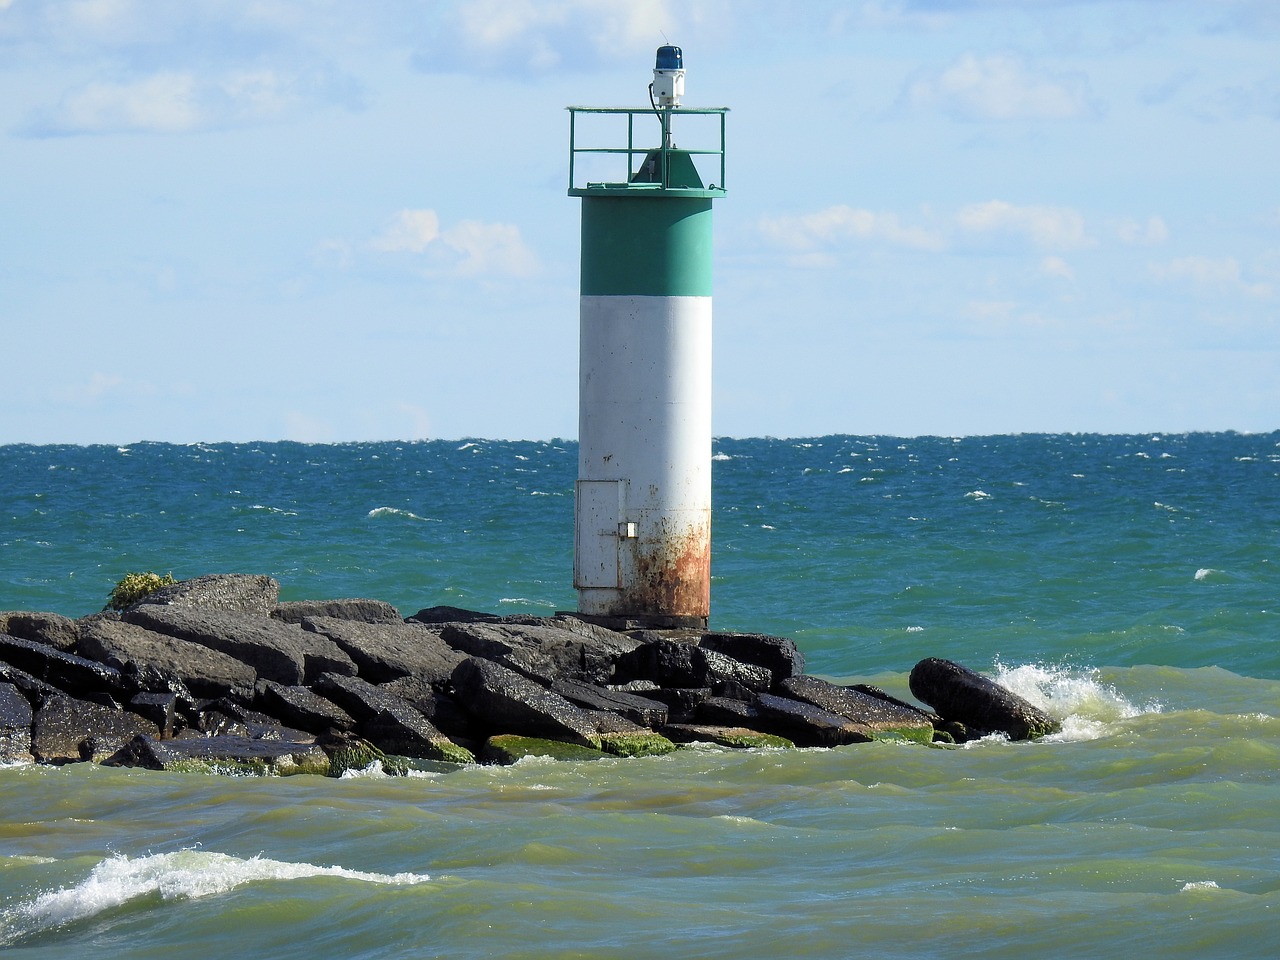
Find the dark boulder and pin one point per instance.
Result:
(962, 695)
(388, 651)
(32, 688)
(879, 716)
(302, 708)
(446, 614)
(390, 722)
(15, 725)
(66, 730)
(160, 709)
(726, 712)
(51, 629)
(807, 725)
(779, 655)
(507, 702)
(132, 649)
(638, 709)
(235, 592)
(364, 611)
(71, 674)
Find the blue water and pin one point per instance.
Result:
(1127, 583)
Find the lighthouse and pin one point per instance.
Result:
(642, 508)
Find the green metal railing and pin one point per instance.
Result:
(631, 151)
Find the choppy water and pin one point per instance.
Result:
(1129, 584)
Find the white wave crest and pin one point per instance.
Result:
(1083, 704)
(397, 512)
(186, 874)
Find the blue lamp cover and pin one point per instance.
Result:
(669, 58)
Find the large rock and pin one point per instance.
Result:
(66, 730)
(638, 709)
(878, 716)
(132, 649)
(281, 652)
(389, 651)
(807, 725)
(235, 592)
(15, 725)
(779, 655)
(507, 702)
(75, 675)
(365, 611)
(302, 708)
(544, 651)
(224, 754)
(390, 722)
(52, 629)
(962, 695)
(674, 662)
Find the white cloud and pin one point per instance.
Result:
(180, 101)
(1209, 274)
(840, 223)
(410, 231)
(469, 248)
(1054, 228)
(1002, 88)
(1057, 267)
(1153, 232)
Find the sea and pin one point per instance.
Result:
(1130, 585)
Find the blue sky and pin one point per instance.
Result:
(316, 220)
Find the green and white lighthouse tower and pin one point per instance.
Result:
(642, 538)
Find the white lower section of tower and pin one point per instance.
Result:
(643, 504)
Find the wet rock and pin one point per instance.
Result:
(725, 712)
(302, 708)
(507, 702)
(964, 696)
(682, 702)
(544, 651)
(665, 661)
(66, 730)
(384, 652)
(15, 725)
(51, 629)
(638, 709)
(740, 738)
(807, 725)
(74, 675)
(442, 709)
(234, 592)
(779, 655)
(390, 722)
(159, 709)
(132, 649)
(878, 716)
(226, 754)
(364, 611)
(508, 748)
(33, 689)
(446, 614)
(639, 743)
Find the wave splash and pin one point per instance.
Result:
(1084, 705)
(186, 874)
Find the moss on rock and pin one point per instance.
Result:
(508, 748)
(645, 744)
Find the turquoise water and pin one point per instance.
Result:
(1128, 584)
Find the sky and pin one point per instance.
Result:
(313, 220)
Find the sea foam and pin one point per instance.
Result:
(186, 874)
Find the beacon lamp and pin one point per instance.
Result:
(668, 77)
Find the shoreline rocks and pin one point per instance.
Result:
(215, 674)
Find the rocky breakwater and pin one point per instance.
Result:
(215, 673)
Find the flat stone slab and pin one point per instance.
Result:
(740, 738)
(75, 675)
(302, 708)
(52, 629)
(546, 650)
(384, 652)
(281, 652)
(638, 709)
(130, 648)
(390, 722)
(236, 592)
(223, 755)
(879, 716)
(807, 725)
(365, 611)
